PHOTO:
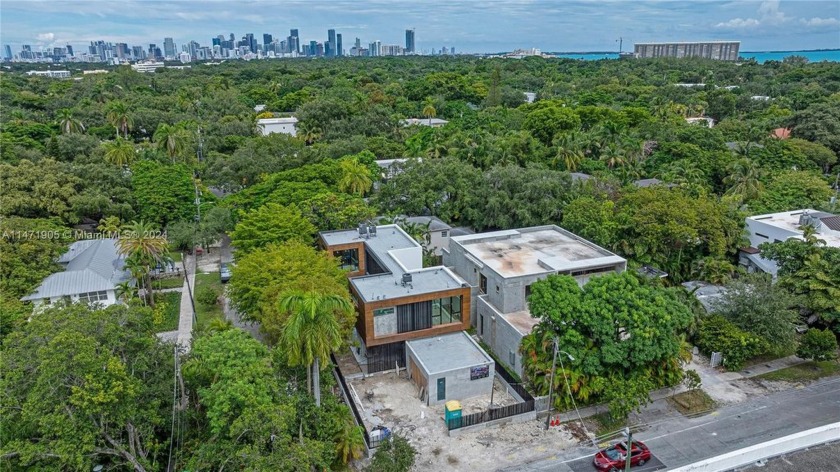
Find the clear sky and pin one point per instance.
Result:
(469, 25)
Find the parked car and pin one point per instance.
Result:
(614, 458)
(224, 272)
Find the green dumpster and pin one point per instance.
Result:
(452, 414)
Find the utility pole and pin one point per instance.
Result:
(629, 448)
(551, 384)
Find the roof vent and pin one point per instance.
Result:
(363, 230)
(406, 278)
(372, 231)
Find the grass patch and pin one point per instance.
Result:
(804, 372)
(171, 313)
(692, 402)
(605, 423)
(205, 313)
(171, 282)
(176, 256)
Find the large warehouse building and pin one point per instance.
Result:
(719, 50)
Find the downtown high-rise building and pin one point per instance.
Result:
(251, 42)
(7, 52)
(267, 40)
(409, 41)
(329, 47)
(70, 50)
(294, 41)
(339, 48)
(169, 49)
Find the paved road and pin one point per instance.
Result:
(681, 441)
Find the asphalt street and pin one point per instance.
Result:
(681, 441)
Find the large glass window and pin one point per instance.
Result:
(446, 310)
(349, 259)
(93, 296)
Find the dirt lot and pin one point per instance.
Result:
(394, 402)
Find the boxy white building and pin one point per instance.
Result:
(779, 227)
(449, 367)
(286, 125)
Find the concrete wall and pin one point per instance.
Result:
(500, 335)
(766, 450)
(437, 242)
(458, 383)
(384, 325)
(772, 233)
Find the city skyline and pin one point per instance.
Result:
(548, 25)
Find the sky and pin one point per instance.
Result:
(469, 26)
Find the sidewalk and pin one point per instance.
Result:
(185, 322)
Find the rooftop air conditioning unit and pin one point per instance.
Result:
(406, 279)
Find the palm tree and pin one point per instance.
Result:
(309, 133)
(355, 177)
(119, 152)
(569, 151)
(140, 241)
(68, 123)
(429, 111)
(612, 156)
(311, 331)
(126, 291)
(743, 179)
(120, 117)
(349, 441)
(171, 139)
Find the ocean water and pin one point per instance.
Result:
(813, 56)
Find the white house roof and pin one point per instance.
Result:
(90, 266)
(425, 121)
(278, 121)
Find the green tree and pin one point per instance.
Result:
(141, 242)
(331, 211)
(619, 331)
(544, 123)
(119, 152)
(312, 330)
(744, 179)
(396, 455)
(271, 223)
(791, 190)
(570, 151)
(355, 177)
(25, 258)
(119, 116)
(429, 111)
(717, 334)
(818, 345)
(86, 386)
(39, 190)
(171, 139)
(164, 192)
(68, 123)
(592, 219)
(757, 305)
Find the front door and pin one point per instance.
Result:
(441, 389)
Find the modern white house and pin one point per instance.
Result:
(433, 122)
(92, 270)
(437, 234)
(287, 125)
(779, 227)
(53, 74)
(501, 266)
(147, 66)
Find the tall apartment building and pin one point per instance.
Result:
(719, 50)
(501, 266)
(409, 41)
(339, 48)
(169, 49)
(329, 46)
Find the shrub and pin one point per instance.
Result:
(717, 334)
(818, 345)
(395, 455)
(207, 296)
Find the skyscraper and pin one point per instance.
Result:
(409, 41)
(69, 50)
(267, 40)
(294, 43)
(339, 51)
(251, 42)
(7, 52)
(329, 48)
(313, 48)
(169, 49)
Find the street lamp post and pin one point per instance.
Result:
(551, 384)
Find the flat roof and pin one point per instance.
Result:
(448, 352)
(521, 321)
(389, 285)
(789, 221)
(277, 121)
(536, 250)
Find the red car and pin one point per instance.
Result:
(614, 458)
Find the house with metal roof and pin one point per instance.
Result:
(92, 270)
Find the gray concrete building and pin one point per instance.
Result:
(719, 50)
(449, 367)
(500, 268)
